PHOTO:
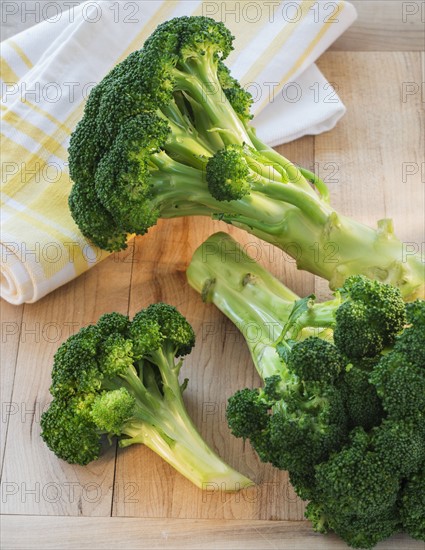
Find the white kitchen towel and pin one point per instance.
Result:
(48, 71)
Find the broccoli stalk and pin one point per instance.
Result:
(343, 403)
(167, 133)
(121, 378)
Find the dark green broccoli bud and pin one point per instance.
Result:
(399, 377)
(227, 175)
(121, 379)
(315, 359)
(68, 430)
(193, 43)
(247, 413)
(75, 366)
(415, 312)
(354, 480)
(239, 99)
(413, 506)
(306, 427)
(366, 531)
(410, 342)
(364, 407)
(401, 445)
(94, 221)
(111, 409)
(123, 179)
(371, 316)
(161, 325)
(272, 390)
(111, 323)
(116, 356)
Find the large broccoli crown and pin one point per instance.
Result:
(227, 174)
(370, 317)
(167, 97)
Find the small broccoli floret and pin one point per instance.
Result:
(239, 99)
(415, 312)
(94, 221)
(166, 325)
(369, 319)
(354, 482)
(366, 531)
(111, 409)
(69, 431)
(317, 360)
(123, 180)
(227, 175)
(306, 426)
(399, 377)
(363, 405)
(120, 378)
(413, 506)
(401, 445)
(247, 413)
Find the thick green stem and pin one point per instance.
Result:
(340, 247)
(247, 294)
(189, 455)
(168, 430)
(299, 223)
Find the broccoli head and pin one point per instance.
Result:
(343, 403)
(120, 378)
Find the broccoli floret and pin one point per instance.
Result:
(227, 175)
(120, 378)
(343, 403)
(168, 133)
(363, 405)
(247, 413)
(401, 445)
(413, 506)
(316, 360)
(354, 482)
(141, 148)
(369, 319)
(399, 377)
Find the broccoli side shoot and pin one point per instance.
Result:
(121, 378)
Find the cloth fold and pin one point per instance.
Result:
(49, 70)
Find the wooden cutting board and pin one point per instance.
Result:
(373, 162)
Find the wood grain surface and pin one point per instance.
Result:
(43, 533)
(373, 162)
